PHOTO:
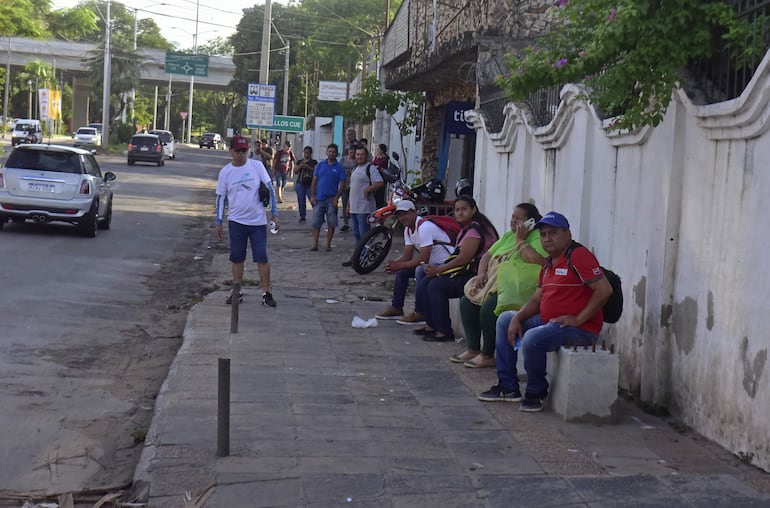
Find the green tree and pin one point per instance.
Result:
(364, 106)
(76, 24)
(627, 53)
(328, 40)
(24, 18)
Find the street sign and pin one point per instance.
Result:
(288, 123)
(189, 65)
(332, 91)
(260, 106)
(183, 115)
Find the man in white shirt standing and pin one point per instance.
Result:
(432, 246)
(239, 184)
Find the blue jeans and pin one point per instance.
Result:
(435, 293)
(280, 179)
(359, 225)
(538, 339)
(401, 284)
(303, 196)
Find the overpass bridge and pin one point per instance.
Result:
(72, 57)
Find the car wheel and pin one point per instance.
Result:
(130, 162)
(107, 220)
(88, 224)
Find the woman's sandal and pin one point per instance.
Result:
(462, 357)
(480, 361)
(423, 331)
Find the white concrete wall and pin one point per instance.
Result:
(677, 211)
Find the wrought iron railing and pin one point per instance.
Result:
(718, 78)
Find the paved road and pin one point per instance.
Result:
(88, 327)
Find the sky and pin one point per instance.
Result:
(176, 18)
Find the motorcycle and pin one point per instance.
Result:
(374, 246)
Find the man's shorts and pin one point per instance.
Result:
(325, 209)
(280, 179)
(240, 234)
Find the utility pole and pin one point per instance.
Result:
(106, 83)
(7, 82)
(264, 56)
(192, 78)
(286, 80)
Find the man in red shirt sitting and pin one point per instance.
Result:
(566, 307)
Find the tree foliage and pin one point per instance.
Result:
(24, 18)
(328, 40)
(372, 98)
(627, 53)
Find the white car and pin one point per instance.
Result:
(169, 143)
(52, 183)
(87, 136)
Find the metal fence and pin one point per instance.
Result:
(711, 80)
(718, 78)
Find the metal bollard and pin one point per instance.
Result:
(234, 308)
(223, 409)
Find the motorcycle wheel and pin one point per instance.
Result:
(372, 249)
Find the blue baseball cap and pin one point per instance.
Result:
(553, 219)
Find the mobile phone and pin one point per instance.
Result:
(530, 223)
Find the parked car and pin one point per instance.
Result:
(211, 140)
(26, 131)
(169, 143)
(98, 126)
(52, 183)
(146, 148)
(87, 136)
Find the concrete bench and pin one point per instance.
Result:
(583, 384)
(454, 315)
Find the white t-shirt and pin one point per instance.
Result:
(240, 185)
(427, 234)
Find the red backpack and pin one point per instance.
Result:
(447, 224)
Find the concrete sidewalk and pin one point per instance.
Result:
(324, 414)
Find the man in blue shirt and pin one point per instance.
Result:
(328, 184)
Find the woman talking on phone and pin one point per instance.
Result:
(506, 279)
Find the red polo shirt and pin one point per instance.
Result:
(565, 291)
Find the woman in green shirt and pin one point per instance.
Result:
(507, 278)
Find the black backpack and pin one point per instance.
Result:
(379, 194)
(613, 308)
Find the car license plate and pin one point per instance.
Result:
(41, 187)
(144, 149)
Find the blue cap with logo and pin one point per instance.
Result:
(553, 219)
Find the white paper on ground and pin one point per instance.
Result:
(359, 322)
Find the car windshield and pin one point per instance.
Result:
(25, 127)
(62, 162)
(86, 130)
(164, 136)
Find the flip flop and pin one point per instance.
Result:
(423, 331)
(480, 363)
(328, 249)
(462, 357)
(313, 249)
